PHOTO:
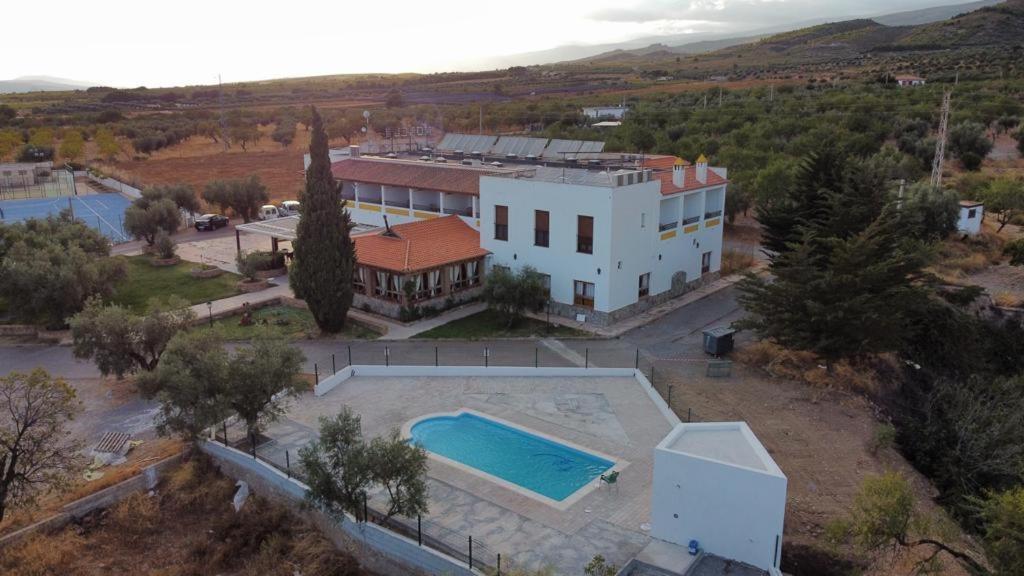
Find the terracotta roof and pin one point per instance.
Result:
(970, 203)
(663, 171)
(411, 174)
(420, 245)
(662, 161)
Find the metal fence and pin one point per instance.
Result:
(473, 552)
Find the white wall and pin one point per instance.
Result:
(564, 202)
(969, 225)
(731, 511)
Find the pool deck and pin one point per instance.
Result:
(609, 415)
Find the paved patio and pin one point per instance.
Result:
(611, 415)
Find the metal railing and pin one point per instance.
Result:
(714, 214)
(691, 220)
(667, 226)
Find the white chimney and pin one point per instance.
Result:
(353, 151)
(702, 169)
(679, 173)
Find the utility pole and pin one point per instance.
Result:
(480, 127)
(719, 96)
(940, 142)
(771, 92)
(705, 101)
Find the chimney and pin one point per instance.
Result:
(702, 169)
(353, 151)
(679, 173)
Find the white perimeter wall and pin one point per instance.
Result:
(731, 511)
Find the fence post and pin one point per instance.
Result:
(689, 414)
(419, 530)
(435, 356)
(487, 354)
(470, 552)
(225, 423)
(349, 354)
(670, 396)
(316, 373)
(288, 463)
(334, 365)
(536, 354)
(252, 442)
(499, 563)
(652, 376)
(636, 363)
(366, 515)
(387, 357)
(586, 359)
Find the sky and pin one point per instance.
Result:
(127, 43)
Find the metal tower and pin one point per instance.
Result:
(940, 142)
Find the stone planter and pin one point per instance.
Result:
(247, 286)
(164, 262)
(272, 273)
(205, 272)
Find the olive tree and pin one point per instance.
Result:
(337, 465)
(120, 342)
(244, 197)
(37, 452)
(262, 378)
(145, 219)
(511, 294)
(401, 468)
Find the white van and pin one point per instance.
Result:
(289, 208)
(269, 212)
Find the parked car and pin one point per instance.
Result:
(211, 222)
(269, 212)
(289, 208)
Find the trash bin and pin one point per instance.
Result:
(718, 341)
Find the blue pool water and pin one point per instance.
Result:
(537, 464)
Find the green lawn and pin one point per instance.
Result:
(285, 321)
(488, 324)
(146, 281)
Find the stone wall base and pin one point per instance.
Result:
(393, 309)
(598, 318)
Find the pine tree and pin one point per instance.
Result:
(324, 255)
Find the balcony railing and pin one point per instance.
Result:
(691, 220)
(459, 211)
(541, 238)
(667, 226)
(369, 201)
(397, 203)
(427, 207)
(585, 244)
(714, 214)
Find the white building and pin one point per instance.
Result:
(617, 112)
(971, 214)
(610, 243)
(715, 484)
(909, 80)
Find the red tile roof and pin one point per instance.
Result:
(419, 246)
(410, 174)
(663, 171)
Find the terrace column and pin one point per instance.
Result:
(475, 214)
(410, 199)
(441, 205)
(446, 281)
(355, 191)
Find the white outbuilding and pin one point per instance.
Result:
(716, 489)
(971, 213)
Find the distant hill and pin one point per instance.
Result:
(929, 15)
(826, 38)
(41, 84)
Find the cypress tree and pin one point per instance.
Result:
(324, 255)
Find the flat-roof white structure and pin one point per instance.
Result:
(970, 217)
(714, 483)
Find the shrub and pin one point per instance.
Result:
(249, 264)
(1015, 250)
(165, 247)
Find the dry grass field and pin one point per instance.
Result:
(187, 527)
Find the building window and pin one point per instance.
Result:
(540, 227)
(583, 294)
(359, 280)
(585, 234)
(972, 213)
(643, 219)
(501, 223)
(645, 285)
(545, 279)
(705, 263)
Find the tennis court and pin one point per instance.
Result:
(104, 212)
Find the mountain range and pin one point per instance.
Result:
(695, 43)
(41, 83)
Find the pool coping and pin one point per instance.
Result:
(618, 464)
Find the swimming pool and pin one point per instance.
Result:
(543, 466)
